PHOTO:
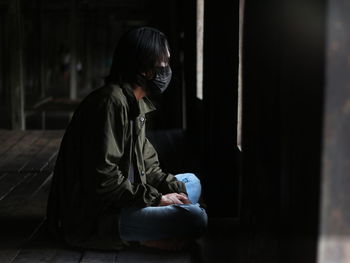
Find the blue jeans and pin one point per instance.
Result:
(161, 222)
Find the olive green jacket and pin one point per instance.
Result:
(90, 182)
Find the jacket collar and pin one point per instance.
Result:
(141, 106)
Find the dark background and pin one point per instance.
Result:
(287, 188)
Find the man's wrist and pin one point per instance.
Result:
(157, 200)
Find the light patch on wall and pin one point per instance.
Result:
(240, 76)
(334, 248)
(200, 34)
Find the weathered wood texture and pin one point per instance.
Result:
(26, 163)
(220, 85)
(283, 80)
(334, 243)
(14, 84)
(67, 50)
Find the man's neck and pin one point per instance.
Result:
(138, 92)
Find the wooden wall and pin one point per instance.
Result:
(334, 241)
(220, 85)
(87, 31)
(283, 83)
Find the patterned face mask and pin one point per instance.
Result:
(161, 79)
(159, 83)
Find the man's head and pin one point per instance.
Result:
(142, 57)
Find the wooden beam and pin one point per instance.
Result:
(240, 75)
(73, 44)
(41, 54)
(334, 242)
(220, 104)
(88, 70)
(14, 83)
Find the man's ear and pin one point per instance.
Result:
(148, 75)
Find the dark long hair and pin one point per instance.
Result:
(138, 50)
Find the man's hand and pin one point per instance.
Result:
(174, 198)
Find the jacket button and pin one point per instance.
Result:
(142, 119)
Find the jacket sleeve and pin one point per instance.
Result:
(164, 182)
(106, 148)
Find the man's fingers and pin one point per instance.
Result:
(187, 202)
(184, 199)
(176, 200)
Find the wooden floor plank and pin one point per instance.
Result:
(43, 157)
(23, 195)
(16, 201)
(38, 249)
(28, 257)
(35, 255)
(10, 141)
(21, 212)
(4, 135)
(9, 182)
(23, 198)
(67, 256)
(19, 148)
(3, 174)
(19, 163)
(99, 257)
(223, 243)
(145, 255)
(51, 164)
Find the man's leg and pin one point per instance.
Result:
(161, 222)
(193, 186)
(166, 222)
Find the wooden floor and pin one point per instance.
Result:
(27, 159)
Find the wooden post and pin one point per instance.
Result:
(73, 44)
(14, 83)
(88, 27)
(42, 62)
(334, 242)
(240, 75)
(220, 78)
(2, 102)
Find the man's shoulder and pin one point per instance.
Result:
(114, 93)
(109, 93)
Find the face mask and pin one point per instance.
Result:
(161, 80)
(158, 84)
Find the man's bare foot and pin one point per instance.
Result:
(171, 244)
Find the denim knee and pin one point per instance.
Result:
(192, 177)
(193, 185)
(197, 220)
